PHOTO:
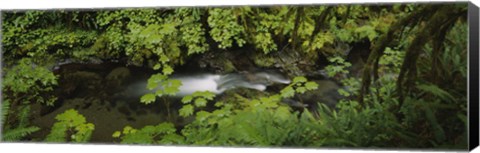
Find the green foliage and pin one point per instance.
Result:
(199, 100)
(258, 122)
(24, 84)
(266, 25)
(163, 133)
(367, 31)
(225, 28)
(162, 87)
(43, 36)
(438, 92)
(374, 126)
(148, 98)
(299, 85)
(5, 110)
(391, 61)
(17, 134)
(253, 125)
(338, 67)
(21, 130)
(192, 32)
(432, 114)
(70, 127)
(28, 79)
(321, 40)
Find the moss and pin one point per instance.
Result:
(263, 60)
(229, 67)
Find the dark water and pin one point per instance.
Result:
(108, 95)
(104, 94)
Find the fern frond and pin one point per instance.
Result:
(437, 91)
(58, 133)
(438, 131)
(18, 133)
(23, 117)
(164, 133)
(68, 121)
(4, 111)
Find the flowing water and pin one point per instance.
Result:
(108, 95)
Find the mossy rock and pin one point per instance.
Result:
(117, 76)
(263, 60)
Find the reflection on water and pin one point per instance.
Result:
(108, 95)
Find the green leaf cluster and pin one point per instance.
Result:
(70, 127)
(225, 28)
(19, 131)
(198, 99)
(163, 133)
(30, 79)
(162, 87)
(431, 115)
(338, 66)
(299, 85)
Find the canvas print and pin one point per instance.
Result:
(302, 76)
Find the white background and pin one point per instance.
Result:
(72, 148)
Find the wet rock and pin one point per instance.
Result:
(326, 93)
(81, 80)
(263, 60)
(294, 103)
(133, 106)
(141, 112)
(87, 105)
(112, 103)
(117, 77)
(294, 63)
(131, 119)
(219, 62)
(124, 110)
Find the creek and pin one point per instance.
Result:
(108, 95)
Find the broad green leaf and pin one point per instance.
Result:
(282, 113)
(202, 115)
(157, 78)
(167, 70)
(311, 85)
(208, 95)
(437, 91)
(157, 66)
(343, 92)
(287, 92)
(301, 90)
(219, 113)
(187, 99)
(159, 93)
(171, 90)
(186, 110)
(147, 98)
(299, 79)
(116, 134)
(175, 83)
(269, 104)
(200, 102)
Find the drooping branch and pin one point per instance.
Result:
(371, 66)
(320, 22)
(438, 24)
(298, 17)
(439, 37)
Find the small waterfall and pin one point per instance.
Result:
(203, 82)
(217, 84)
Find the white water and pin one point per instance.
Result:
(191, 84)
(217, 84)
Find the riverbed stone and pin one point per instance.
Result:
(117, 77)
